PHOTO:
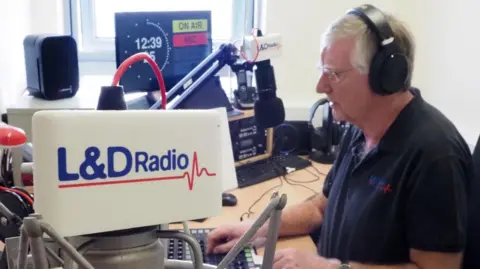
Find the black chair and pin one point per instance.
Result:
(472, 253)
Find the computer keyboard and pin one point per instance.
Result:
(179, 250)
(291, 161)
(263, 170)
(257, 172)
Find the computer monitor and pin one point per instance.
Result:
(177, 40)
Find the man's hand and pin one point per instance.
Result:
(294, 259)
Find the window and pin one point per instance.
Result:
(92, 21)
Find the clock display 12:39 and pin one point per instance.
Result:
(149, 43)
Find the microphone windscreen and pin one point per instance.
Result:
(269, 113)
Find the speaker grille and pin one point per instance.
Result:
(59, 67)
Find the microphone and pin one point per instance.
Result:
(269, 109)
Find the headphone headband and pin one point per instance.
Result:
(389, 67)
(376, 21)
(314, 108)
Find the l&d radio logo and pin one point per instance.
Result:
(95, 173)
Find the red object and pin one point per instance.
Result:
(184, 40)
(24, 195)
(11, 136)
(158, 73)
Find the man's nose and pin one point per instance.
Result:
(323, 85)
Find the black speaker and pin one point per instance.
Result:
(51, 63)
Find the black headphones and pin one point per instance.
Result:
(20, 203)
(389, 67)
(322, 139)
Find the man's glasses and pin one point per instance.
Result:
(333, 76)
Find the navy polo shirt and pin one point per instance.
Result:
(408, 192)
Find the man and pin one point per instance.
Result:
(396, 195)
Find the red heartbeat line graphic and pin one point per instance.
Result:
(190, 176)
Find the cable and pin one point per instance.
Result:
(288, 180)
(158, 73)
(301, 184)
(24, 195)
(258, 48)
(278, 175)
(316, 170)
(6, 168)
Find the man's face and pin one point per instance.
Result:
(347, 88)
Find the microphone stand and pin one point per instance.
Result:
(33, 229)
(272, 212)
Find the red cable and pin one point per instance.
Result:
(243, 54)
(158, 73)
(258, 45)
(24, 195)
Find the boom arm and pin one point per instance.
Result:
(258, 48)
(226, 54)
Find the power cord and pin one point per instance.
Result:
(292, 182)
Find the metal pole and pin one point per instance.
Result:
(34, 231)
(272, 235)
(275, 203)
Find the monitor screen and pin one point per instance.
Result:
(177, 41)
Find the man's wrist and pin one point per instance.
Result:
(344, 266)
(333, 264)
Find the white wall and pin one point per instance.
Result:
(447, 66)
(14, 24)
(446, 37)
(446, 60)
(19, 18)
(296, 71)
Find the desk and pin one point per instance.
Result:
(295, 192)
(247, 196)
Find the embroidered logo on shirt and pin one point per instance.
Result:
(380, 184)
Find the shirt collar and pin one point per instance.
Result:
(399, 131)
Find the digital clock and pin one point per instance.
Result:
(145, 43)
(177, 41)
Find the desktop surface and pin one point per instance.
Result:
(255, 198)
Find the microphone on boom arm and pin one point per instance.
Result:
(269, 109)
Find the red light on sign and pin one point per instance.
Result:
(185, 40)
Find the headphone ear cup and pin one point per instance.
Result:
(318, 138)
(334, 132)
(337, 133)
(388, 72)
(394, 72)
(375, 75)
